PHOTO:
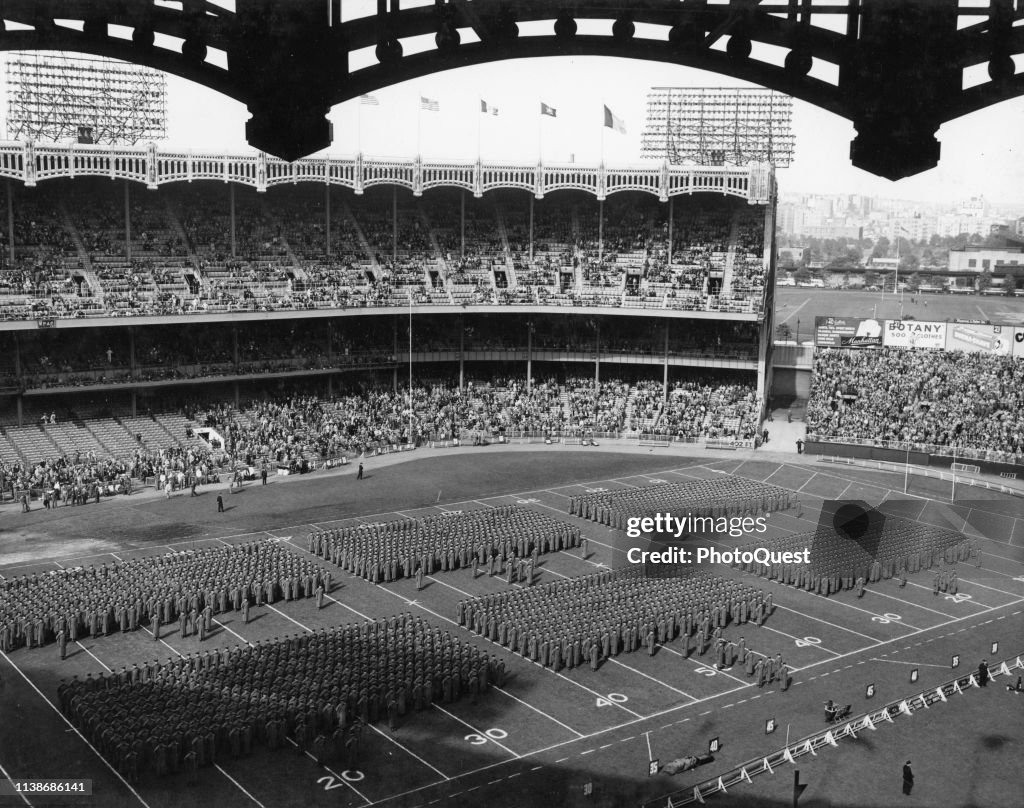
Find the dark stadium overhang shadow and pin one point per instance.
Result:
(848, 522)
(997, 517)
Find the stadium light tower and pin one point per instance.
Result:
(56, 97)
(718, 126)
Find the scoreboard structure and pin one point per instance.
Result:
(53, 97)
(715, 126)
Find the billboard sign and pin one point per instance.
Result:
(989, 339)
(847, 332)
(1018, 342)
(914, 334)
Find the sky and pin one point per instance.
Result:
(981, 153)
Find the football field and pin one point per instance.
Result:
(794, 303)
(574, 737)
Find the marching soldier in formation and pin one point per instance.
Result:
(595, 617)
(324, 684)
(137, 592)
(484, 538)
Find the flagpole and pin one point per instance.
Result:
(540, 137)
(603, 108)
(419, 117)
(479, 115)
(412, 440)
(359, 125)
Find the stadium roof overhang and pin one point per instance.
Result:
(897, 70)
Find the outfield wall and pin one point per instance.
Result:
(917, 458)
(972, 337)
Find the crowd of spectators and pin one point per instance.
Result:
(286, 430)
(192, 250)
(928, 398)
(300, 429)
(102, 356)
(86, 476)
(710, 408)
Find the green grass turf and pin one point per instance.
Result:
(792, 304)
(558, 738)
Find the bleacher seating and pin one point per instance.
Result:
(967, 401)
(182, 258)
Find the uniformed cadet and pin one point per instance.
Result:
(320, 749)
(191, 767)
(245, 611)
(319, 596)
(761, 672)
(392, 709)
(62, 641)
(584, 554)
(352, 751)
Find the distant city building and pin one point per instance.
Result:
(978, 259)
(851, 216)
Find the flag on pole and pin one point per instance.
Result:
(429, 104)
(546, 110)
(487, 109)
(369, 101)
(614, 122)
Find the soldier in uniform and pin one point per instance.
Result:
(192, 767)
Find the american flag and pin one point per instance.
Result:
(429, 104)
(369, 100)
